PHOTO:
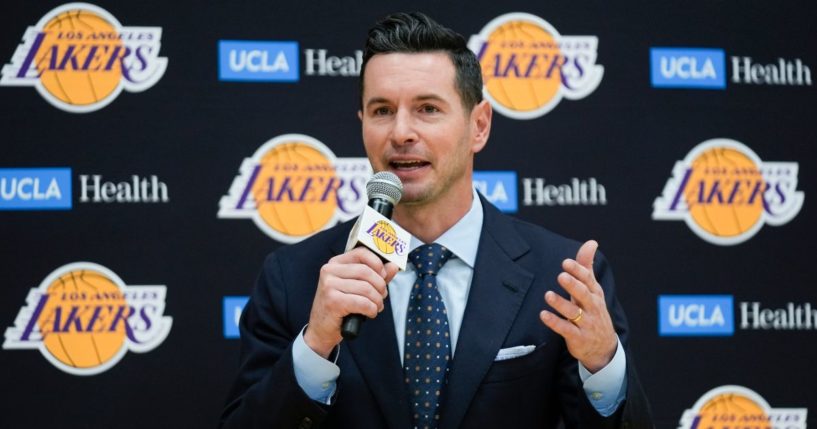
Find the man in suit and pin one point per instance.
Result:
(509, 325)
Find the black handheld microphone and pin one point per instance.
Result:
(384, 190)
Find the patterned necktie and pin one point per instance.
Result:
(428, 349)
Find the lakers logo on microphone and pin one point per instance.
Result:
(528, 67)
(725, 193)
(385, 238)
(79, 58)
(294, 186)
(83, 319)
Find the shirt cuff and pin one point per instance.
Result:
(316, 375)
(607, 388)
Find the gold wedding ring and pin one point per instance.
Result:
(578, 317)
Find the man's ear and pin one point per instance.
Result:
(360, 115)
(480, 119)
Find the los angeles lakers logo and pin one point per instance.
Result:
(528, 67)
(385, 238)
(83, 319)
(729, 407)
(294, 186)
(79, 58)
(725, 193)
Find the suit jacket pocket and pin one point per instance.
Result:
(523, 366)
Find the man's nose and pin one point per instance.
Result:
(403, 129)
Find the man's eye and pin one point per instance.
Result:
(380, 111)
(427, 108)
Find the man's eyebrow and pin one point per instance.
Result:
(430, 97)
(376, 100)
(421, 97)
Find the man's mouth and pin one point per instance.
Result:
(408, 165)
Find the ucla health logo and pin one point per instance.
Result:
(83, 319)
(725, 193)
(50, 189)
(233, 306)
(35, 188)
(528, 67)
(79, 58)
(688, 68)
(696, 315)
(294, 186)
(258, 61)
(498, 187)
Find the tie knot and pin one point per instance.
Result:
(429, 258)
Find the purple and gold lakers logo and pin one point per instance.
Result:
(294, 186)
(729, 407)
(83, 319)
(528, 67)
(385, 238)
(725, 193)
(79, 58)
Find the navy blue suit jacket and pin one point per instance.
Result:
(516, 264)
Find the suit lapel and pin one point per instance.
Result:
(375, 352)
(497, 291)
(376, 355)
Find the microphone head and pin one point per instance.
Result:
(385, 185)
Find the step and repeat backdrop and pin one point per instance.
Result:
(154, 152)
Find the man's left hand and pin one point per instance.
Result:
(586, 327)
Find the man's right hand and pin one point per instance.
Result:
(354, 282)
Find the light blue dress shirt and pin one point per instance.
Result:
(317, 376)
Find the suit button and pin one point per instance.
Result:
(306, 423)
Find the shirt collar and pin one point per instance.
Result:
(462, 239)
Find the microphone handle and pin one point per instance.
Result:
(350, 328)
(384, 207)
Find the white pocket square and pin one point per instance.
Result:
(513, 352)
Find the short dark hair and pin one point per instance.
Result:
(414, 32)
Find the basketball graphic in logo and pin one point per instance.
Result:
(77, 86)
(90, 343)
(730, 407)
(731, 404)
(718, 214)
(384, 237)
(284, 199)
